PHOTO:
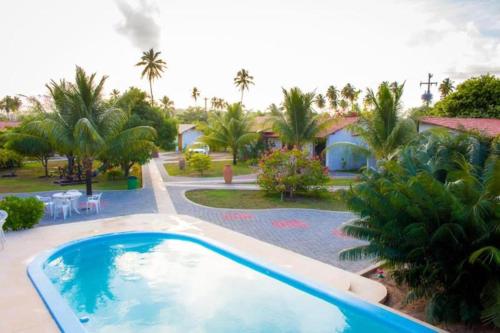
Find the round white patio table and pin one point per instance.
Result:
(72, 196)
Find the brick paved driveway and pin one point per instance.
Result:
(312, 233)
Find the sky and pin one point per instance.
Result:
(311, 44)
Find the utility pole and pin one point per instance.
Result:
(427, 96)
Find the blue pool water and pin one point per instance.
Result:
(156, 282)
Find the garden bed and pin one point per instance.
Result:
(30, 179)
(396, 299)
(255, 199)
(215, 170)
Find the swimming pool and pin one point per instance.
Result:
(165, 282)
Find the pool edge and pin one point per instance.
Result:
(67, 321)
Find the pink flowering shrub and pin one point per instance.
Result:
(290, 171)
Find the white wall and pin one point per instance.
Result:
(335, 157)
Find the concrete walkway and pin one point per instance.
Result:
(163, 202)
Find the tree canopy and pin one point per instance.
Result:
(478, 97)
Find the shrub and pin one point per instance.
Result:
(289, 171)
(434, 216)
(10, 159)
(114, 174)
(23, 212)
(199, 162)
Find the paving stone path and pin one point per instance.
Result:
(313, 233)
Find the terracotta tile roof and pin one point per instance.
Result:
(337, 125)
(7, 124)
(486, 126)
(185, 127)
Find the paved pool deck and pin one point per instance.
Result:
(24, 311)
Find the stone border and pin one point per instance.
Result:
(183, 193)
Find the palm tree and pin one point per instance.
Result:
(115, 94)
(343, 105)
(168, 105)
(195, 94)
(297, 124)
(10, 104)
(383, 130)
(83, 124)
(230, 129)
(243, 80)
(333, 97)
(446, 87)
(153, 67)
(350, 93)
(320, 101)
(431, 215)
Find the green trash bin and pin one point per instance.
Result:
(132, 183)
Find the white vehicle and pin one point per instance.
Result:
(199, 147)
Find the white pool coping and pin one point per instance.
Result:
(24, 311)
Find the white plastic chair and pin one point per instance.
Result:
(3, 219)
(48, 203)
(63, 205)
(94, 201)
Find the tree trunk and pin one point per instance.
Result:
(126, 169)
(151, 91)
(71, 164)
(45, 164)
(234, 157)
(87, 164)
(241, 99)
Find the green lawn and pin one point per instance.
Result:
(29, 180)
(216, 168)
(341, 181)
(249, 199)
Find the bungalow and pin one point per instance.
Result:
(342, 158)
(263, 125)
(187, 135)
(487, 127)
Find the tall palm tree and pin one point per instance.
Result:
(153, 68)
(333, 97)
(297, 124)
(230, 129)
(320, 101)
(383, 130)
(243, 80)
(195, 94)
(350, 93)
(446, 87)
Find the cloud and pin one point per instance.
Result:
(473, 70)
(140, 23)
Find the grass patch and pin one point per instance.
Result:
(29, 179)
(216, 168)
(249, 199)
(341, 181)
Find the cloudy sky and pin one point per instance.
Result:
(307, 43)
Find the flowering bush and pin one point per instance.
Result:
(290, 171)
